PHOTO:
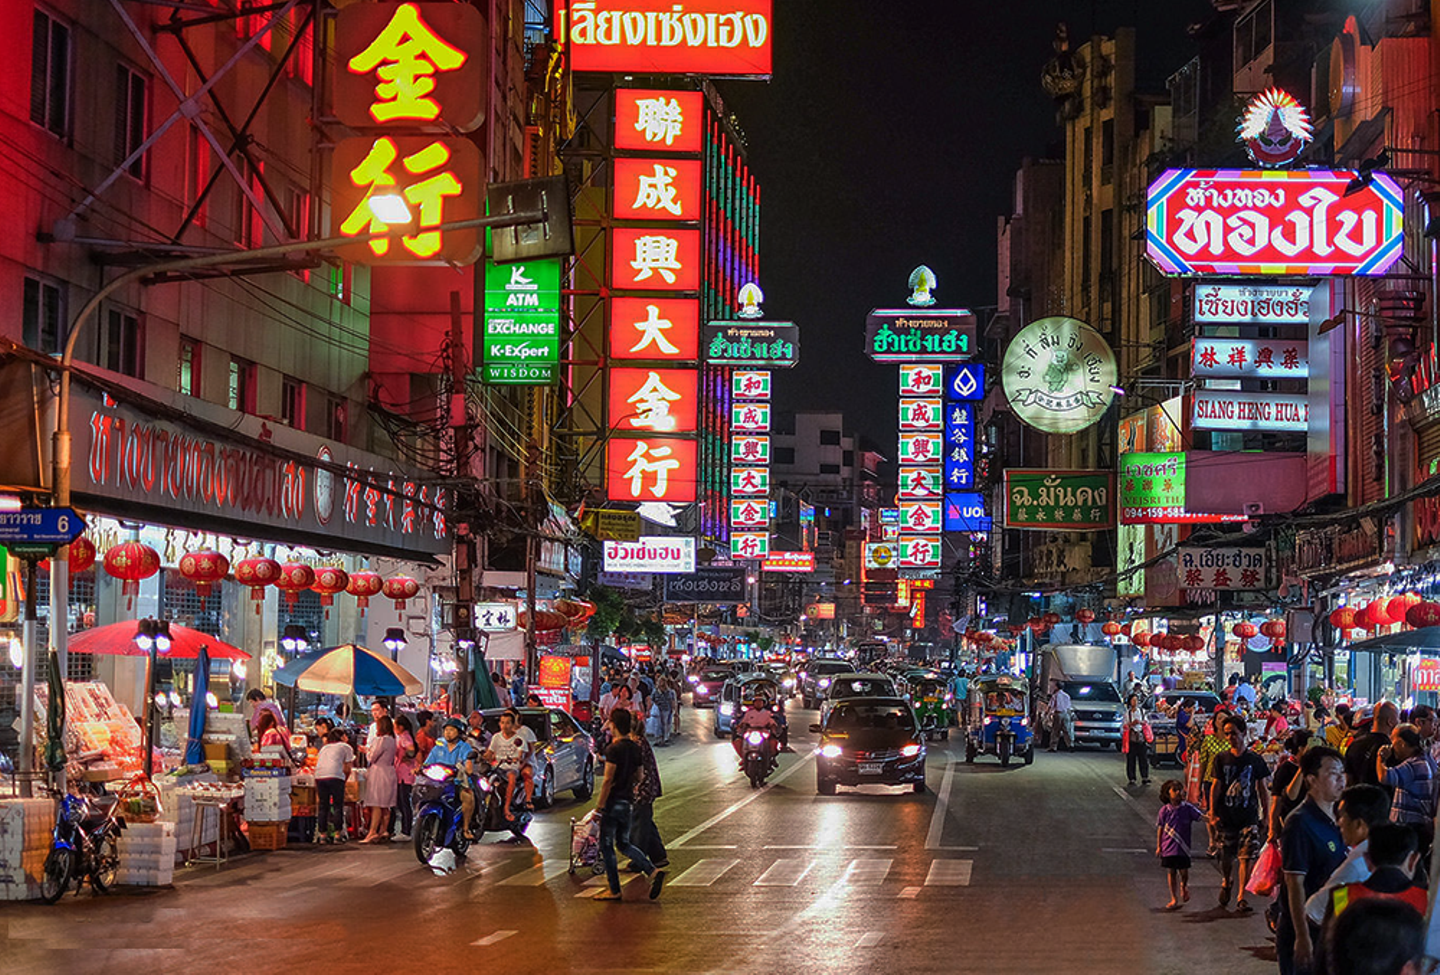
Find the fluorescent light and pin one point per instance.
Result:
(390, 208)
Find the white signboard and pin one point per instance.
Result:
(1223, 568)
(1224, 409)
(495, 617)
(653, 553)
(1250, 359)
(1252, 304)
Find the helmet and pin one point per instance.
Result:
(455, 723)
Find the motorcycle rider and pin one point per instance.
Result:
(757, 717)
(509, 752)
(456, 752)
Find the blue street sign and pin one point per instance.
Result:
(965, 381)
(959, 446)
(965, 512)
(41, 526)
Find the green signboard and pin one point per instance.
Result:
(1152, 488)
(522, 323)
(920, 335)
(1059, 500)
(774, 345)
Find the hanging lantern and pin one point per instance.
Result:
(295, 578)
(257, 573)
(1125, 629)
(1344, 618)
(1194, 643)
(1086, 616)
(984, 637)
(330, 580)
(82, 555)
(1362, 618)
(1245, 630)
(204, 568)
(1141, 639)
(130, 562)
(401, 588)
(362, 586)
(1423, 614)
(1036, 624)
(1275, 629)
(1398, 606)
(1111, 628)
(1378, 614)
(1015, 628)
(1050, 619)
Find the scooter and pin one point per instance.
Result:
(439, 817)
(85, 844)
(490, 812)
(757, 757)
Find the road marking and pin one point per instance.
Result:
(910, 893)
(949, 873)
(742, 803)
(870, 939)
(942, 805)
(866, 873)
(726, 846)
(1135, 849)
(793, 846)
(959, 849)
(704, 873)
(491, 939)
(784, 873)
(878, 846)
(595, 885)
(537, 875)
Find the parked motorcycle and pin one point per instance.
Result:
(439, 818)
(85, 845)
(757, 757)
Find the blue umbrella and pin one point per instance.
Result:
(199, 709)
(348, 669)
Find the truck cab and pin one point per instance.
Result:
(1088, 673)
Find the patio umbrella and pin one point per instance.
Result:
(199, 709)
(118, 639)
(348, 669)
(55, 717)
(1425, 638)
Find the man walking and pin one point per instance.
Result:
(1311, 848)
(624, 762)
(1237, 797)
(1061, 716)
(1360, 756)
(642, 818)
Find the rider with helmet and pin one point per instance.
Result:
(455, 751)
(757, 716)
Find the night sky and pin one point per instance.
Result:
(888, 138)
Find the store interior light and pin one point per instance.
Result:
(174, 699)
(17, 654)
(211, 701)
(237, 670)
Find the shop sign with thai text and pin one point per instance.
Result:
(1059, 500)
(653, 553)
(1209, 567)
(611, 525)
(789, 562)
(919, 335)
(707, 585)
(1251, 304)
(775, 345)
(1152, 491)
(1332, 550)
(659, 121)
(721, 38)
(1224, 409)
(1216, 358)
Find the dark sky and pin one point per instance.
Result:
(888, 138)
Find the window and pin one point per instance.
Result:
(50, 74)
(335, 414)
(784, 455)
(341, 281)
(829, 468)
(197, 172)
(240, 394)
(245, 221)
(187, 379)
(848, 458)
(121, 343)
(301, 65)
(44, 316)
(830, 438)
(130, 105)
(292, 402)
(1107, 241)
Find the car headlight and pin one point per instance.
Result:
(727, 708)
(830, 751)
(701, 689)
(788, 682)
(988, 719)
(755, 737)
(438, 773)
(694, 679)
(910, 750)
(824, 682)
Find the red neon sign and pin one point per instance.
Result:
(655, 329)
(658, 121)
(433, 176)
(654, 400)
(650, 469)
(714, 37)
(657, 189)
(655, 259)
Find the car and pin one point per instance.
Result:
(706, 684)
(1099, 712)
(869, 739)
(736, 694)
(816, 676)
(783, 674)
(564, 752)
(856, 685)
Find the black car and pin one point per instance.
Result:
(869, 739)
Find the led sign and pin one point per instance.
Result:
(653, 553)
(1250, 359)
(727, 38)
(655, 259)
(775, 345)
(789, 562)
(919, 334)
(655, 329)
(1224, 409)
(658, 400)
(439, 179)
(658, 121)
(650, 469)
(1251, 304)
(657, 189)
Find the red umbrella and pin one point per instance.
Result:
(118, 639)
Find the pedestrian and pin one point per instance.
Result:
(1377, 936)
(1172, 839)
(1361, 808)
(1311, 848)
(380, 779)
(1360, 767)
(1404, 765)
(1061, 715)
(1338, 732)
(1136, 743)
(332, 767)
(643, 832)
(1287, 785)
(407, 760)
(517, 685)
(1276, 724)
(623, 763)
(665, 701)
(1423, 718)
(1393, 854)
(501, 691)
(1237, 798)
(424, 735)
(1184, 717)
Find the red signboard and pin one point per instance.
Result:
(1425, 675)
(654, 400)
(650, 469)
(655, 259)
(658, 121)
(657, 189)
(440, 181)
(1267, 222)
(555, 672)
(789, 562)
(713, 37)
(655, 329)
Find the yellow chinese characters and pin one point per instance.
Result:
(404, 57)
(427, 195)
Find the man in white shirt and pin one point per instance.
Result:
(508, 752)
(1060, 717)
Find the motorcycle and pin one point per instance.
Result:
(757, 757)
(490, 811)
(85, 844)
(439, 818)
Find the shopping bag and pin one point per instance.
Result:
(1265, 878)
(653, 728)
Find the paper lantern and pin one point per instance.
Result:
(1398, 606)
(1362, 618)
(984, 637)
(130, 562)
(1344, 618)
(1275, 629)
(1423, 614)
(1036, 624)
(204, 568)
(546, 620)
(1378, 614)
(402, 588)
(1194, 643)
(1050, 619)
(1245, 630)
(362, 586)
(1141, 639)
(1015, 628)
(1111, 628)
(1125, 629)
(330, 580)
(257, 573)
(82, 555)
(295, 578)
(577, 611)
(1086, 616)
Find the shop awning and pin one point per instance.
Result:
(1425, 638)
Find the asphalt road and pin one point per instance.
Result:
(1046, 868)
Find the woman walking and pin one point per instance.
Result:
(380, 779)
(407, 760)
(665, 701)
(1136, 744)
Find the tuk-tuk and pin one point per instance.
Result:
(934, 704)
(1000, 719)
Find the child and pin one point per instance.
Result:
(1172, 839)
(332, 767)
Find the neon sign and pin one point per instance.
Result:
(714, 37)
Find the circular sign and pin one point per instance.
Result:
(1059, 375)
(324, 487)
(882, 554)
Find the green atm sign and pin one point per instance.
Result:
(522, 323)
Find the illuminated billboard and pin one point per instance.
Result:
(727, 38)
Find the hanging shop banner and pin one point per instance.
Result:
(655, 259)
(919, 448)
(921, 483)
(659, 121)
(921, 414)
(707, 585)
(959, 446)
(1295, 222)
(1225, 409)
(658, 400)
(750, 417)
(418, 66)
(750, 450)
(919, 335)
(749, 513)
(650, 469)
(655, 329)
(749, 545)
(920, 379)
(750, 480)
(889, 516)
(1251, 304)
(1208, 567)
(789, 562)
(747, 384)
(965, 382)
(495, 617)
(775, 345)
(1059, 375)
(610, 525)
(919, 552)
(965, 511)
(1059, 500)
(1152, 491)
(522, 322)
(920, 517)
(881, 555)
(1213, 358)
(653, 553)
(657, 189)
(721, 38)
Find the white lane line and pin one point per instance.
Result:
(491, 939)
(720, 846)
(784, 873)
(942, 806)
(1133, 849)
(793, 846)
(910, 893)
(959, 849)
(877, 846)
(595, 885)
(741, 804)
(870, 939)
(704, 873)
(949, 873)
(537, 875)
(866, 873)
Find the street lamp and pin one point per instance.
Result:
(153, 637)
(394, 641)
(295, 639)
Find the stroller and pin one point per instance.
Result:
(585, 843)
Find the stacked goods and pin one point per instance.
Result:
(303, 795)
(25, 827)
(96, 725)
(179, 808)
(268, 836)
(147, 854)
(267, 800)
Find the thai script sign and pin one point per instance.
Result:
(1059, 375)
(729, 38)
(1152, 491)
(1251, 304)
(775, 345)
(1223, 409)
(1425, 674)
(1250, 359)
(1240, 222)
(917, 335)
(1224, 568)
(707, 585)
(653, 553)
(1059, 500)
(608, 524)
(659, 121)
(789, 562)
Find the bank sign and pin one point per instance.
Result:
(1272, 222)
(727, 38)
(522, 322)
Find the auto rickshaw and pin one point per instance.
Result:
(934, 705)
(1000, 719)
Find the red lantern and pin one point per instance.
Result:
(1050, 619)
(257, 573)
(401, 588)
(130, 562)
(1423, 614)
(295, 578)
(362, 586)
(1125, 628)
(1344, 618)
(1362, 618)
(330, 580)
(1036, 624)
(1276, 629)
(1085, 616)
(1015, 628)
(204, 568)
(1398, 606)
(82, 555)
(1141, 639)
(1111, 628)
(984, 637)
(1245, 630)
(1194, 643)
(1378, 614)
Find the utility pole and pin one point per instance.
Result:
(27, 683)
(533, 498)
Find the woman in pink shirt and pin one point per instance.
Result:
(407, 760)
